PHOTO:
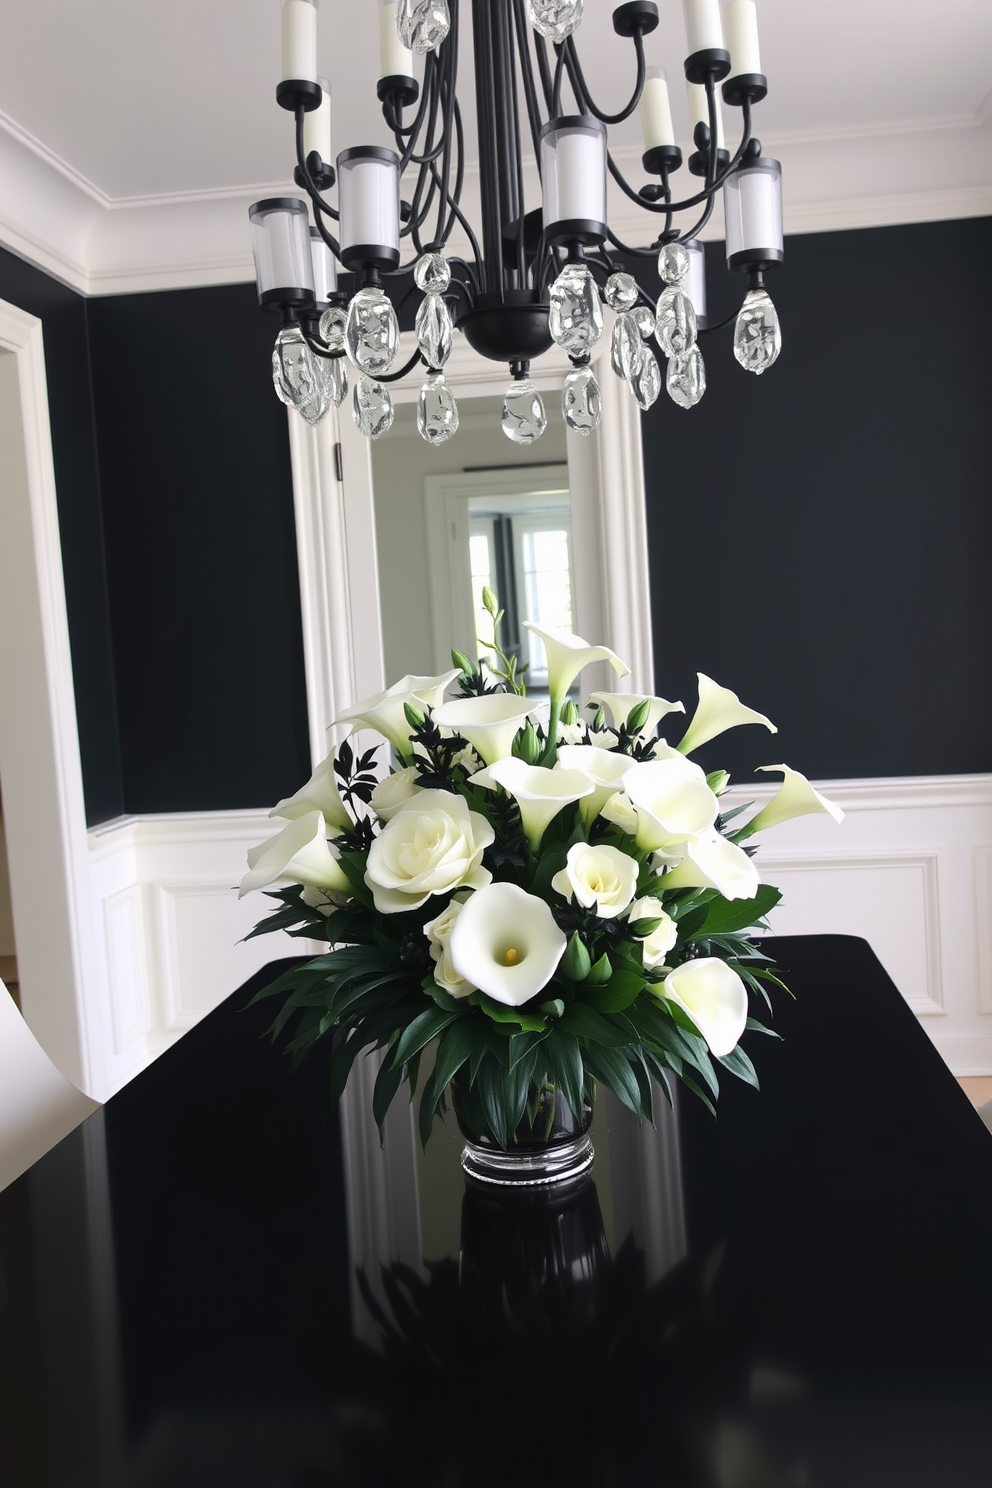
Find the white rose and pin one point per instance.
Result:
(438, 932)
(714, 997)
(598, 875)
(673, 802)
(394, 792)
(431, 846)
(506, 942)
(656, 946)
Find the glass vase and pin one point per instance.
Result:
(549, 1144)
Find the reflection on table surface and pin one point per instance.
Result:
(799, 1294)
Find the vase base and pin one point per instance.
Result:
(536, 1168)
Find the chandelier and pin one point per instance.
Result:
(533, 276)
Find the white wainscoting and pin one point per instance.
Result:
(170, 927)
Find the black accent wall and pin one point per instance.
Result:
(821, 536)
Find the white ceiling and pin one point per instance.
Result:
(169, 104)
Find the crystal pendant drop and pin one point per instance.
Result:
(317, 408)
(372, 332)
(431, 273)
(294, 376)
(422, 25)
(644, 320)
(434, 330)
(575, 319)
(582, 401)
(686, 378)
(334, 374)
(676, 327)
(621, 291)
(437, 411)
(524, 418)
(757, 334)
(673, 263)
(373, 407)
(645, 384)
(555, 19)
(332, 324)
(625, 346)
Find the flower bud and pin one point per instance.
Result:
(638, 717)
(468, 667)
(601, 972)
(576, 962)
(414, 717)
(526, 745)
(718, 781)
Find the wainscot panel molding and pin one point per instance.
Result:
(910, 870)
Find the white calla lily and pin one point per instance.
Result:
(656, 946)
(394, 792)
(431, 846)
(489, 723)
(714, 997)
(718, 709)
(795, 797)
(619, 811)
(600, 875)
(622, 704)
(540, 793)
(711, 862)
(506, 942)
(319, 794)
(299, 854)
(605, 769)
(386, 711)
(672, 799)
(568, 654)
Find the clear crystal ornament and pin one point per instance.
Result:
(434, 330)
(432, 273)
(294, 376)
(645, 383)
(621, 291)
(686, 378)
(333, 372)
(645, 321)
(676, 327)
(575, 319)
(372, 332)
(625, 345)
(673, 263)
(524, 418)
(437, 411)
(317, 408)
(581, 400)
(422, 25)
(757, 334)
(372, 406)
(331, 327)
(555, 19)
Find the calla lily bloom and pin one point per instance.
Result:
(796, 797)
(718, 709)
(489, 723)
(299, 854)
(319, 794)
(385, 711)
(540, 793)
(711, 862)
(673, 802)
(568, 654)
(605, 769)
(506, 942)
(715, 998)
(622, 704)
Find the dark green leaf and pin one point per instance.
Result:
(501, 1014)
(624, 987)
(564, 1057)
(587, 1024)
(613, 1068)
(387, 1082)
(723, 915)
(738, 1064)
(454, 1050)
(420, 1032)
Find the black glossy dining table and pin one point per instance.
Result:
(797, 1294)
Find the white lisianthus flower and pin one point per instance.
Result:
(568, 654)
(470, 762)
(796, 797)
(673, 802)
(619, 810)
(600, 875)
(604, 769)
(714, 997)
(622, 704)
(432, 845)
(299, 854)
(506, 942)
(656, 946)
(602, 738)
(319, 794)
(385, 711)
(718, 709)
(539, 792)
(571, 733)
(395, 792)
(489, 723)
(711, 862)
(438, 932)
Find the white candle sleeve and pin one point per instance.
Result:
(317, 125)
(703, 30)
(299, 41)
(699, 112)
(394, 58)
(740, 22)
(656, 110)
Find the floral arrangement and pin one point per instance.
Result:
(545, 901)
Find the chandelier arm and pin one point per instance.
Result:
(431, 151)
(449, 84)
(581, 88)
(510, 72)
(708, 191)
(560, 54)
(527, 73)
(407, 367)
(626, 247)
(320, 348)
(721, 325)
(544, 68)
(697, 229)
(319, 205)
(456, 213)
